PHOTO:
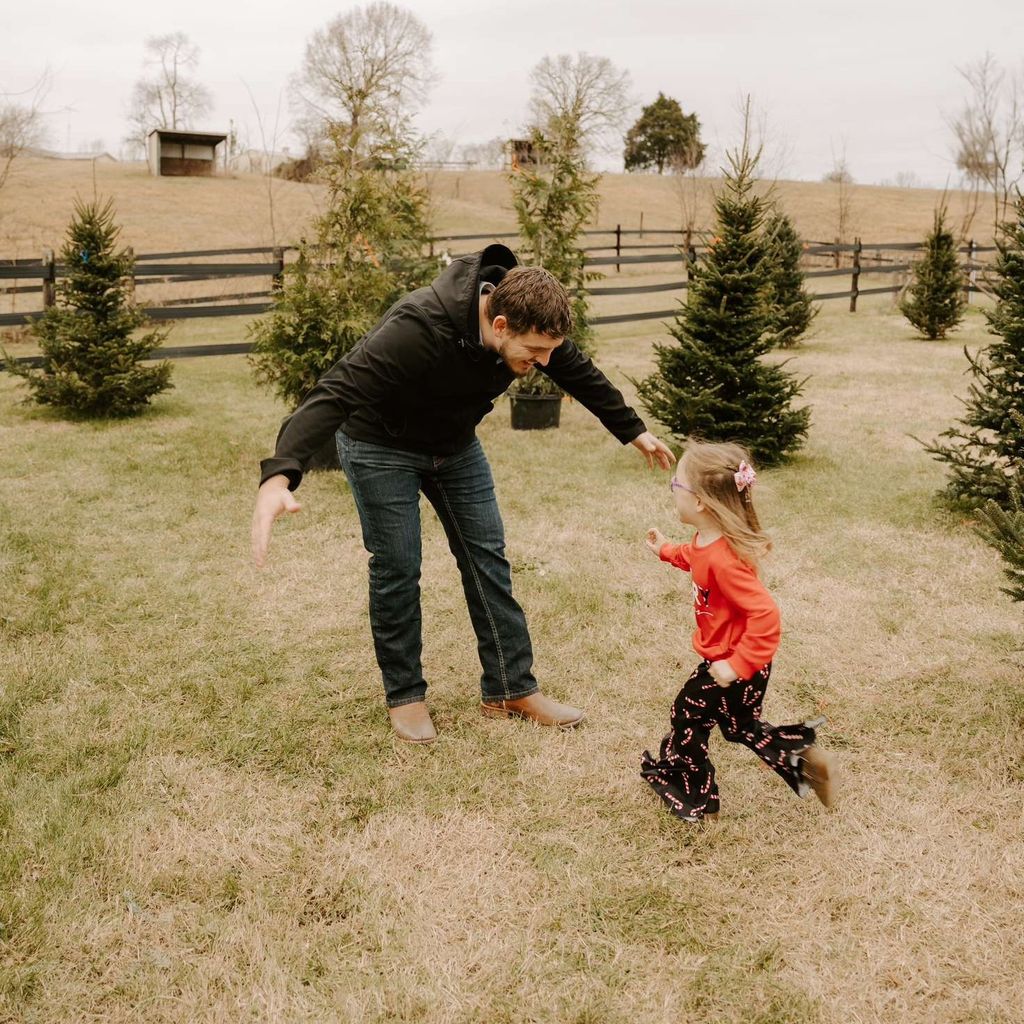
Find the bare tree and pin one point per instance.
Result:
(840, 176)
(268, 149)
(438, 150)
(488, 156)
(168, 98)
(588, 91)
(313, 134)
(21, 123)
(775, 148)
(907, 179)
(363, 75)
(691, 191)
(989, 132)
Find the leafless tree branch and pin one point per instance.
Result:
(989, 132)
(369, 68)
(168, 98)
(587, 90)
(21, 123)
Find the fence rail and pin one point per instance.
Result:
(160, 268)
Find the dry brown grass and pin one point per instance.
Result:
(205, 817)
(478, 201)
(155, 214)
(171, 214)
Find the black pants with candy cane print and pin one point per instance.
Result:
(684, 777)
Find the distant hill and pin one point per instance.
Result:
(162, 214)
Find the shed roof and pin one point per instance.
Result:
(188, 138)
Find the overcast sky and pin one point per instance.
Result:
(876, 78)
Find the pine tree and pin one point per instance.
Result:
(984, 448)
(91, 352)
(368, 252)
(553, 200)
(1003, 528)
(713, 383)
(791, 308)
(936, 298)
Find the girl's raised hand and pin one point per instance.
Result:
(655, 540)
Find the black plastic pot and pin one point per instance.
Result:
(535, 412)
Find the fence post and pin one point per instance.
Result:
(688, 261)
(49, 279)
(618, 244)
(277, 282)
(641, 223)
(837, 252)
(972, 275)
(129, 281)
(855, 282)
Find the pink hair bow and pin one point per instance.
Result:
(745, 477)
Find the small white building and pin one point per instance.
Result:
(179, 153)
(101, 156)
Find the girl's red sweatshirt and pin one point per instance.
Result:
(737, 620)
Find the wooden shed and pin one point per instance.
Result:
(520, 153)
(185, 153)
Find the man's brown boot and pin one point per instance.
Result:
(537, 708)
(412, 723)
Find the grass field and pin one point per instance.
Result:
(204, 816)
(175, 214)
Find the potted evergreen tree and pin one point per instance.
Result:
(536, 402)
(553, 201)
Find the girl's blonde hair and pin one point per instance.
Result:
(710, 469)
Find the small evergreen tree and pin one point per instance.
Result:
(984, 448)
(367, 253)
(1003, 528)
(713, 383)
(91, 353)
(791, 308)
(935, 303)
(663, 136)
(553, 200)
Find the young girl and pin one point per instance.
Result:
(737, 635)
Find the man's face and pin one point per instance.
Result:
(522, 352)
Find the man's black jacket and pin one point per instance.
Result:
(421, 381)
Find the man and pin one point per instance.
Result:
(405, 402)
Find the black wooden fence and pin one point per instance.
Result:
(881, 259)
(153, 268)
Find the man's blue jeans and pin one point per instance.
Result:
(386, 484)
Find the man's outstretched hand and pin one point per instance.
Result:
(273, 500)
(652, 449)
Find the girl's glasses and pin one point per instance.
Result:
(675, 485)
